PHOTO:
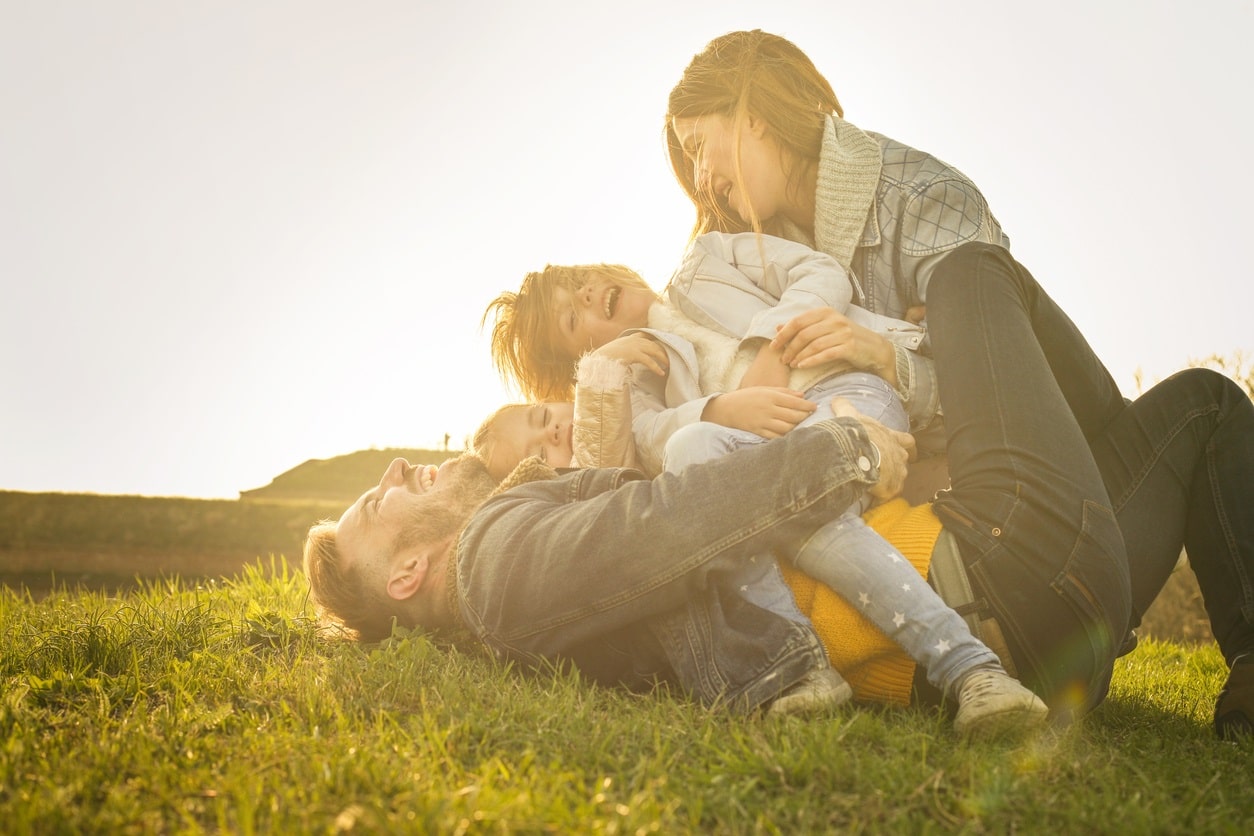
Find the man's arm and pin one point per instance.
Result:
(547, 566)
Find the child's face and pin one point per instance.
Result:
(542, 429)
(595, 314)
(761, 182)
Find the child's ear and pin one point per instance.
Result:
(757, 126)
(407, 576)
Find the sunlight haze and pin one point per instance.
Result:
(238, 235)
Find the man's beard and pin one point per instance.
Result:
(445, 512)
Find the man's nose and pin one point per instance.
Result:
(395, 473)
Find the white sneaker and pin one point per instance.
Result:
(992, 704)
(819, 689)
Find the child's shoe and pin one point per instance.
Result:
(993, 704)
(819, 689)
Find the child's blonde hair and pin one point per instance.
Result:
(525, 349)
(486, 438)
(750, 73)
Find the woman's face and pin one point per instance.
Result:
(709, 143)
(597, 313)
(542, 429)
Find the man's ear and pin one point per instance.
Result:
(407, 576)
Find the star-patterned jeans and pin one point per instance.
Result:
(848, 555)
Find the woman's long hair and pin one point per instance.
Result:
(750, 73)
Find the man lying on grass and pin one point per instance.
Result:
(618, 575)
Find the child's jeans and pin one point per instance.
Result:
(847, 554)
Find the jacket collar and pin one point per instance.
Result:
(850, 161)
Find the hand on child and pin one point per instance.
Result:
(897, 449)
(768, 411)
(637, 348)
(822, 335)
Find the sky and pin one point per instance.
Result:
(239, 234)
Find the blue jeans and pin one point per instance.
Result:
(1070, 504)
(848, 555)
(628, 578)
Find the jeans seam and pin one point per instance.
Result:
(1151, 461)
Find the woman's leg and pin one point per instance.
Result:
(1027, 502)
(1179, 465)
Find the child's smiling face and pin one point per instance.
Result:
(597, 313)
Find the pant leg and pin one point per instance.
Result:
(870, 394)
(759, 580)
(1179, 465)
(1022, 393)
(874, 577)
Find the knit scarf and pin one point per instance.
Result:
(849, 173)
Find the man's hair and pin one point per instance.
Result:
(750, 73)
(342, 593)
(525, 349)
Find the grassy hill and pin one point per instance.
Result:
(105, 541)
(342, 478)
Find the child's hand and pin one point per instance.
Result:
(637, 348)
(768, 411)
(896, 450)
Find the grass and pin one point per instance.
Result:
(177, 707)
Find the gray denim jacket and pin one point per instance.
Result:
(626, 577)
(923, 209)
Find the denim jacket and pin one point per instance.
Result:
(921, 210)
(626, 577)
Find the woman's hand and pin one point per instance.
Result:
(637, 348)
(768, 411)
(822, 335)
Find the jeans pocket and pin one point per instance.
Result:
(1094, 579)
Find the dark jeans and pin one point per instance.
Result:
(1051, 467)
(1179, 467)
(1043, 448)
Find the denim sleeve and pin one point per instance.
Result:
(549, 566)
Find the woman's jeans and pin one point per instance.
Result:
(1069, 503)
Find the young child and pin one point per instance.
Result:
(698, 401)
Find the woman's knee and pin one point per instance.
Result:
(971, 265)
(1204, 388)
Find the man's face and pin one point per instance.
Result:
(412, 505)
(597, 313)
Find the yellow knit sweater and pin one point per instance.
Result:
(875, 666)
